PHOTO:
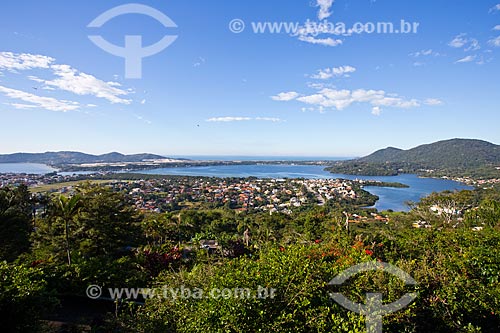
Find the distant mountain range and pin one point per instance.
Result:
(71, 157)
(449, 153)
(455, 157)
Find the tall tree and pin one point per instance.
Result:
(15, 222)
(68, 208)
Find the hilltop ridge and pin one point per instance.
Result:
(73, 157)
(454, 157)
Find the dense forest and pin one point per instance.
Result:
(53, 247)
(456, 157)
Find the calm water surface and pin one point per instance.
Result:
(28, 168)
(390, 198)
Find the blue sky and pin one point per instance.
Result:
(215, 92)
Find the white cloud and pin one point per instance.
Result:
(316, 99)
(285, 96)
(228, 119)
(324, 8)
(141, 118)
(376, 111)
(320, 85)
(496, 27)
(143, 101)
(433, 101)
(274, 120)
(495, 8)
(47, 103)
(466, 59)
(458, 41)
(70, 79)
(22, 105)
(67, 78)
(328, 73)
(320, 41)
(495, 42)
(199, 62)
(317, 32)
(232, 119)
(424, 53)
(36, 79)
(461, 40)
(474, 45)
(341, 99)
(23, 61)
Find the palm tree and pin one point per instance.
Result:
(68, 207)
(346, 221)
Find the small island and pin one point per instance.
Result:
(377, 183)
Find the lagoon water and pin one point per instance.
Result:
(390, 198)
(28, 168)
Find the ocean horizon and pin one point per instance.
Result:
(261, 158)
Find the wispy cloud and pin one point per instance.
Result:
(495, 8)
(469, 58)
(35, 78)
(47, 103)
(376, 110)
(141, 118)
(70, 79)
(424, 53)
(433, 102)
(496, 27)
(320, 41)
(495, 42)
(320, 85)
(458, 41)
(22, 106)
(227, 119)
(317, 34)
(461, 40)
(24, 61)
(324, 8)
(66, 78)
(286, 96)
(274, 120)
(473, 45)
(233, 119)
(328, 73)
(199, 62)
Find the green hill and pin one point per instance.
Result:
(71, 157)
(455, 157)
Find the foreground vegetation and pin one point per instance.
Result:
(53, 247)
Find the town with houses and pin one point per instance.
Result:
(170, 193)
